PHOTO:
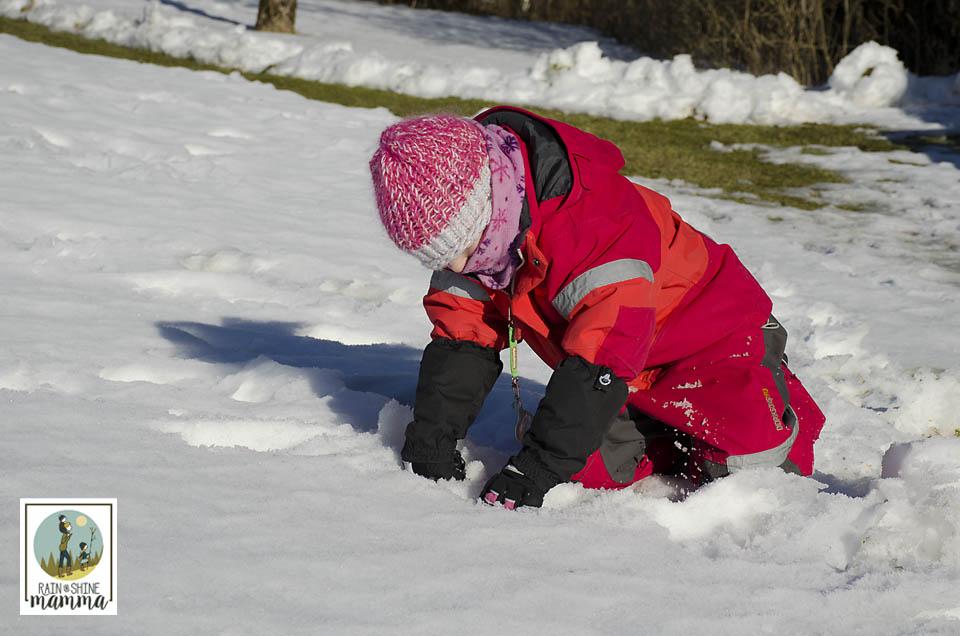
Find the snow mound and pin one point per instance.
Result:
(871, 76)
(918, 523)
(870, 85)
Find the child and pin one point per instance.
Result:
(84, 558)
(650, 326)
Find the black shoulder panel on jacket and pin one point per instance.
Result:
(552, 175)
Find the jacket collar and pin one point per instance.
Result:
(560, 160)
(561, 157)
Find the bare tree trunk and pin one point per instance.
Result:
(277, 15)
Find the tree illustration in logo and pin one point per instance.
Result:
(68, 545)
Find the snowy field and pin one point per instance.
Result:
(202, 317)
(435, 54)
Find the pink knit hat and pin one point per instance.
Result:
(431, 178)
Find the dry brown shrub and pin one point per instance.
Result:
(804, 38)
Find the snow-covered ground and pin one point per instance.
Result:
(202, 317)
(432, 54)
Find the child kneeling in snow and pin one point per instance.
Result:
(659, 337)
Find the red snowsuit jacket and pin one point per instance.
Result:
(611, 274)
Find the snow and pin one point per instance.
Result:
(435, 54)
(203, 318)
(871, 76)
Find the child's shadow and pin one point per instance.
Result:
(372, 374)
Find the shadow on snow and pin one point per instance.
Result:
(180, 6)
(372, 374)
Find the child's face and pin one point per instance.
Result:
(457, 264)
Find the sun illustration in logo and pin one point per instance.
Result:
(68, 545)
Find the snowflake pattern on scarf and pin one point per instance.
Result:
(496, 259)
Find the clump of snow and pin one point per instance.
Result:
(871, 76)
(932, 407)
(908, 519)
(918, 523)
(392, 424)
(870, 85)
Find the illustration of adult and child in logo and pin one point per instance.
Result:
(72, 544)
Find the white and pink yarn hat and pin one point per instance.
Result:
(431, 179)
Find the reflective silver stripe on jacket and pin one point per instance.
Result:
(458, 285)
(613, 272)
(769, 458)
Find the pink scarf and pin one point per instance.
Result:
(496, 259)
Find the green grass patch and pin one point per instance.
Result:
(655, 149)
(854, 207)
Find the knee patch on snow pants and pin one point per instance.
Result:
(635, 446)
(620, 460)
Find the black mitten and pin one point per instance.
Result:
(453, 468)
(455, 378)
(513, 489)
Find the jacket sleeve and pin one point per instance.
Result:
(458, 369)
(460, 308)
(611, 315)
